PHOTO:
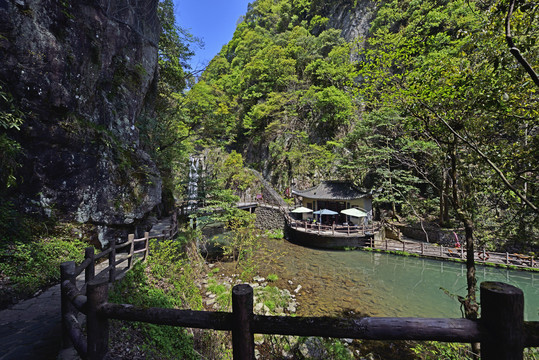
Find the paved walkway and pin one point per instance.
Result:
(31, 329)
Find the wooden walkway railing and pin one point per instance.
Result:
(448, 252)
(502, 331)
(76, 300)
(334, 230)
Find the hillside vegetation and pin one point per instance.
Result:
(432, 108)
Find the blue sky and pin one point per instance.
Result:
(214, 21)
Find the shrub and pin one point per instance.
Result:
(33, 265)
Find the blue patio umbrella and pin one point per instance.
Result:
(325, 212)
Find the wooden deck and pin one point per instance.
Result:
(332, 230)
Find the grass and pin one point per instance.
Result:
(30, 264)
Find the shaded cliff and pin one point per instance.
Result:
(80, 71)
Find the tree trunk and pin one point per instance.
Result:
(469, 303)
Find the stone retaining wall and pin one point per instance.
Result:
(269, 218)
(438, 236)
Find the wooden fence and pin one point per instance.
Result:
(447, 252)
(502, 331)
(75, 301)
(344, 230)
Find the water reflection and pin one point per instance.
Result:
(382, 284)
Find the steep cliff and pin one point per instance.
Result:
(281, 92)
(81, 71)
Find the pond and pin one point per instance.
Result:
(376, 284)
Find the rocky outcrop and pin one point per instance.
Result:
(81, 70)
(353, 20)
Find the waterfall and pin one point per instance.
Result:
(195, 163)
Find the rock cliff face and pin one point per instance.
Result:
(81, 70)
(353, 20)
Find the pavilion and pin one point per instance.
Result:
(336, 196)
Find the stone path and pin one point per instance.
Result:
(32, 329)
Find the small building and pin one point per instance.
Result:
(336, 196)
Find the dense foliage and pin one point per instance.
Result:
(432, 109)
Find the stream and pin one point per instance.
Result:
(376, 284)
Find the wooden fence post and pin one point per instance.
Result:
(112, 260)
(89, 272)
(502, 315)
(131, 237)
(67, 272)
(147, 245)
(243, 346)
(97, 325)
(422, 249)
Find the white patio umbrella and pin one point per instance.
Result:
(302, 210)
(354, 212)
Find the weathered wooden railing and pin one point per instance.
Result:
(76, 301)
(440, 251)
(502, 331)
(353, 230)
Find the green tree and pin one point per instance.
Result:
(441, 66)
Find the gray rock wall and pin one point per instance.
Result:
(81, 71)
(443, 237)
(269, 219)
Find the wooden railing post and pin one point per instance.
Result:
(112, 261)
(97, 325)
(243, 347)
(89, 272)
(502, 315)
(131, 237)
(147, 245)
(67, 272)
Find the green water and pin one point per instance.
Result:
(375, 284)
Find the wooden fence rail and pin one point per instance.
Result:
(449, 252)
(502, 332)
(75, 301)
(360, 230)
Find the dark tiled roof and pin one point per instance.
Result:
(332, 190)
